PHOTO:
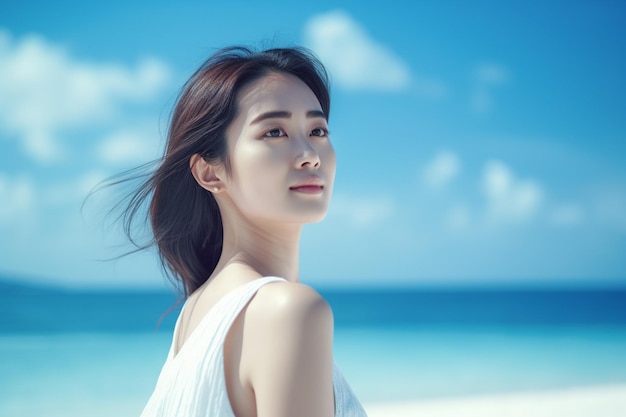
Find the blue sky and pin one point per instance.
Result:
(477, 144)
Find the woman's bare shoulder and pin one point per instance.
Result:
(285, 316)
(287, 350)
(288, 302)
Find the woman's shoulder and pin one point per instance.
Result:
(287, 350)
(289, 303)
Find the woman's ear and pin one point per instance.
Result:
(207, 175)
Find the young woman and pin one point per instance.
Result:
(248, 162)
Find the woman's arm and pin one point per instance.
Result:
(287, 352)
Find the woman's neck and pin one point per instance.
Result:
(270, 249)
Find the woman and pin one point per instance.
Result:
(248, 162)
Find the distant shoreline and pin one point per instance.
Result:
(596, 401)
(30, 283)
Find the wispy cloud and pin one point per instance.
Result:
(568, 214)
(485, 78)
(429, 87)
(361, 212)
(130, 145)
(354, 59)
(17, 196)
(509, 199)
(441, 170)
(46, 91)
(491, 74)
(609, 203)
(72, 191)
(458, 218)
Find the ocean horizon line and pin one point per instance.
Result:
(25, 308)
(12, 283)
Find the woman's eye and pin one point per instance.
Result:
(274, 133)
(319, 132)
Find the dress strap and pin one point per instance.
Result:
(236, 301)
(214, 326)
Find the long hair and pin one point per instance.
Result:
(184, 218)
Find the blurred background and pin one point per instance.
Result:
(476, 144)
(478, 225)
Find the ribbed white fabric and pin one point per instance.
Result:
(192, 383)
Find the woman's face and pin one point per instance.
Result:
(282, 161)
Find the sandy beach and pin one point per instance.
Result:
(598, 401)
(605, 401)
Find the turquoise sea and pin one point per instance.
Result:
(66, 353)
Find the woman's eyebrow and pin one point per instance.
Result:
(285, 115)
(315, 113)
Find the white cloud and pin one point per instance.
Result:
(72, 191)
(429, 87)
(46, 92)
(131, 145)
(509, 199)
(485, 77)
(458, 218)
(610, 206)
(361, 212)
(354, 60)
(17, 196)
(441, 170)
(22, 200)
(567, 215)
(491, 74)
(481, 101)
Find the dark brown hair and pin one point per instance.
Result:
(184, 217)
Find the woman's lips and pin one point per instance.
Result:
(309, 185)
(308, 189)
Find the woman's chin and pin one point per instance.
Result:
(316, 219)
(307, 216)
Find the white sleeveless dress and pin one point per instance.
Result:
(192, 382)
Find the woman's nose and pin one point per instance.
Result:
(307, 155)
